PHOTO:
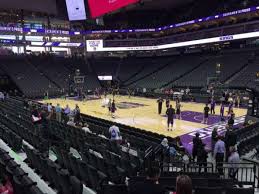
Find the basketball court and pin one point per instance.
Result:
(142, 113)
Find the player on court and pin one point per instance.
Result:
(178, 110)
(170, 117)
(167, 102)
(110, 106)
(206, 114)
(212, 106)
(113, 109)
(222, 108)
(230, 107)
(160, 105)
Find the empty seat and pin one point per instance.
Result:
(76, 184)
(114, 189)
(240, 191)
(208, 190)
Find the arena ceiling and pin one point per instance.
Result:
(44, 6)
(52, 6)
(160, 4)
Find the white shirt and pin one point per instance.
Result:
(115, 132)
(1, 95)
(49, 108)
(71, 123)
(86, 129)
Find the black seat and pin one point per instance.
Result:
(35, 190)
(63, 180)
(240, 191)
(17, 186)
(208, 190)
(77, 186)
(114, 189)
(74, 165)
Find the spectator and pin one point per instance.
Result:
(214, 138)
(44, 121)
(49, 107)
(233, 159)
(2, 96)
(86, 128)
(36, 118)
(219, 152)
(202, 156)
(77, 115)
(183, 185)
(71, 122)
(150, 185)
(58, 112)
(230, 140)
(196, 145)
(231, 120)
(168, 150)
(179, 144)
(67, 112)
(115, 133)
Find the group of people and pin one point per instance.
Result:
(48, 111)
(110, 104)
(223, 149)
(211, 110)
(170, 111)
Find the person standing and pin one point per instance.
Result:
(178, 110)
(212, 106)
(222, 108)
(206, 114)
(219, 152)
(160, 105)
(214, 138)
(197, 143)
(49, 107)
(113, 109)
(231, 120)
(230, 107)
(238, 100)
(110, 106)
(202, 156)
(77, 115)
(230, 140)
(67, 112)
(170, 112)
(233, 160)
(58, 112)
(167, 102)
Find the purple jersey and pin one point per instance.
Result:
(212, 104)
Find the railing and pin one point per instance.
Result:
(256, 163)
(246, 173)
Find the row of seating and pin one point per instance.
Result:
(20, 181)
(53, 173)
(123, 189)
(112, 166)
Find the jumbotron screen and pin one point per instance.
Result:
(101, 7)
